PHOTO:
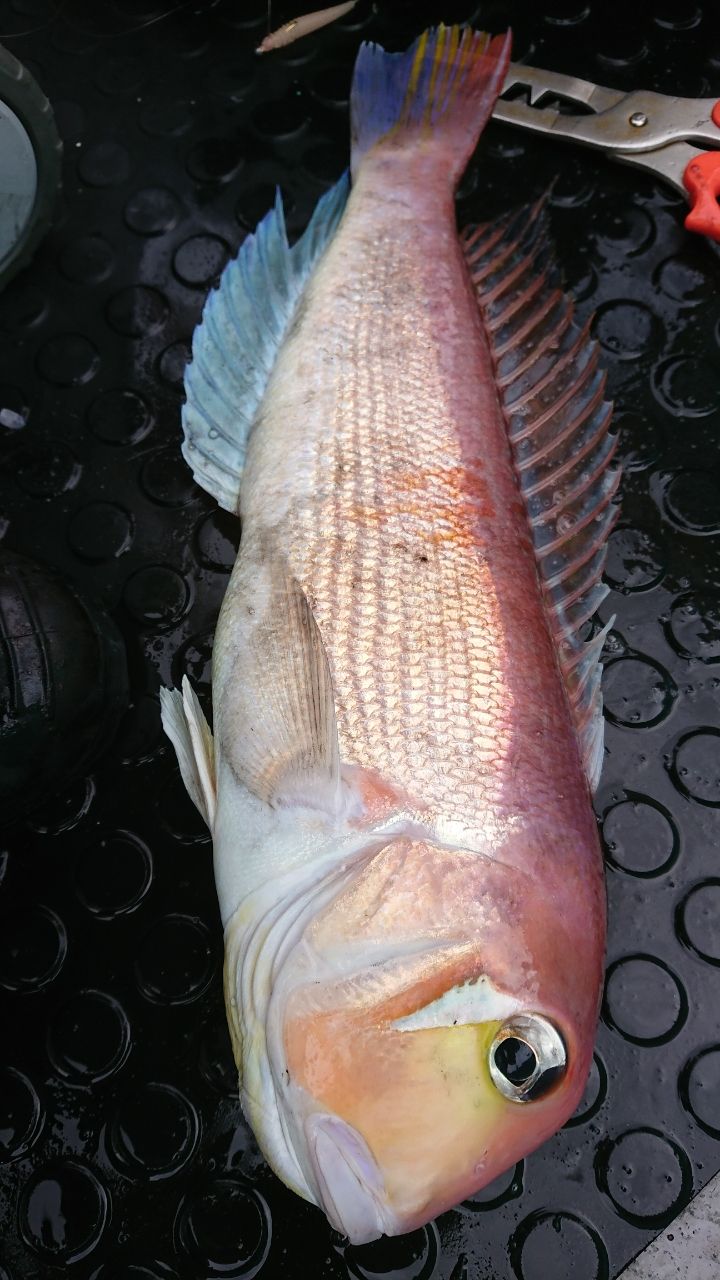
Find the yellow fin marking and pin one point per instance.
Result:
(416, 69)
(452, 66)
(449, 67)
(455, 50)
(437, 62)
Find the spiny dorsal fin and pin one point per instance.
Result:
(557, 418)
(243, 326)
(278, 710)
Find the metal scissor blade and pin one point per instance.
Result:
(539, 83)
(668, 162)
(652, 131)
(635, 122)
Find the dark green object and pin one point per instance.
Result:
(63, 683)
(30, 155)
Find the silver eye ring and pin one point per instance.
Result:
(527, 1057)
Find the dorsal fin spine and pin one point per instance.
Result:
(551, 446)
(516, 303)
(557, 420)
(507, 281)
(549, 338)
(609, 492)
(575, 458)
(516, 403)
(587, 372)
(532, 321)
(485, 266)
(600, 473)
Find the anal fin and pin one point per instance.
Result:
(552, 392)
(244, 324)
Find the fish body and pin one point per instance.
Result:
(303, 26)
(405, 719)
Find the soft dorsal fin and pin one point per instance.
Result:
(278, 711)
(185, 725)
(557, 419)
(243, 326)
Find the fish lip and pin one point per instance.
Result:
(350, 1184)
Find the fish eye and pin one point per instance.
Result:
(527, 1057)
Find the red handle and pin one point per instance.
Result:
(702, 181)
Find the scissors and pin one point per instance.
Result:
(652, 131)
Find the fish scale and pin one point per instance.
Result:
(388, 619)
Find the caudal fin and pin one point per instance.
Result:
(437, 96)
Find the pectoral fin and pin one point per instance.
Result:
(188, 730)
(279, 727)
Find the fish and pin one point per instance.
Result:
(304, 25)
(407, 710)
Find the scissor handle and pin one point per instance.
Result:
(702, 183)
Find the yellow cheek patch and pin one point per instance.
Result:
(458, 1059)
(442, 1077)
(442, 1115)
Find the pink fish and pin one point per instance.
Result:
(407, 717)
(304, 25)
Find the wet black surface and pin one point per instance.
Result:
(63, 677)
(123, 1151)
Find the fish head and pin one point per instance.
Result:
(447, 1033)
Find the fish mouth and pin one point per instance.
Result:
(349, 1182)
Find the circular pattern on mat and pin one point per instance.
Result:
(124, 1152)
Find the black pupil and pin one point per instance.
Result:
(515, 1059)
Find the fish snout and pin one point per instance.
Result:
(350, 1184)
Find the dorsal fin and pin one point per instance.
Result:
(244, 324)
(557, 419)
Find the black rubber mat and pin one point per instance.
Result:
(124, 1152)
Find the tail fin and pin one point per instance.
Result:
(441, 91)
